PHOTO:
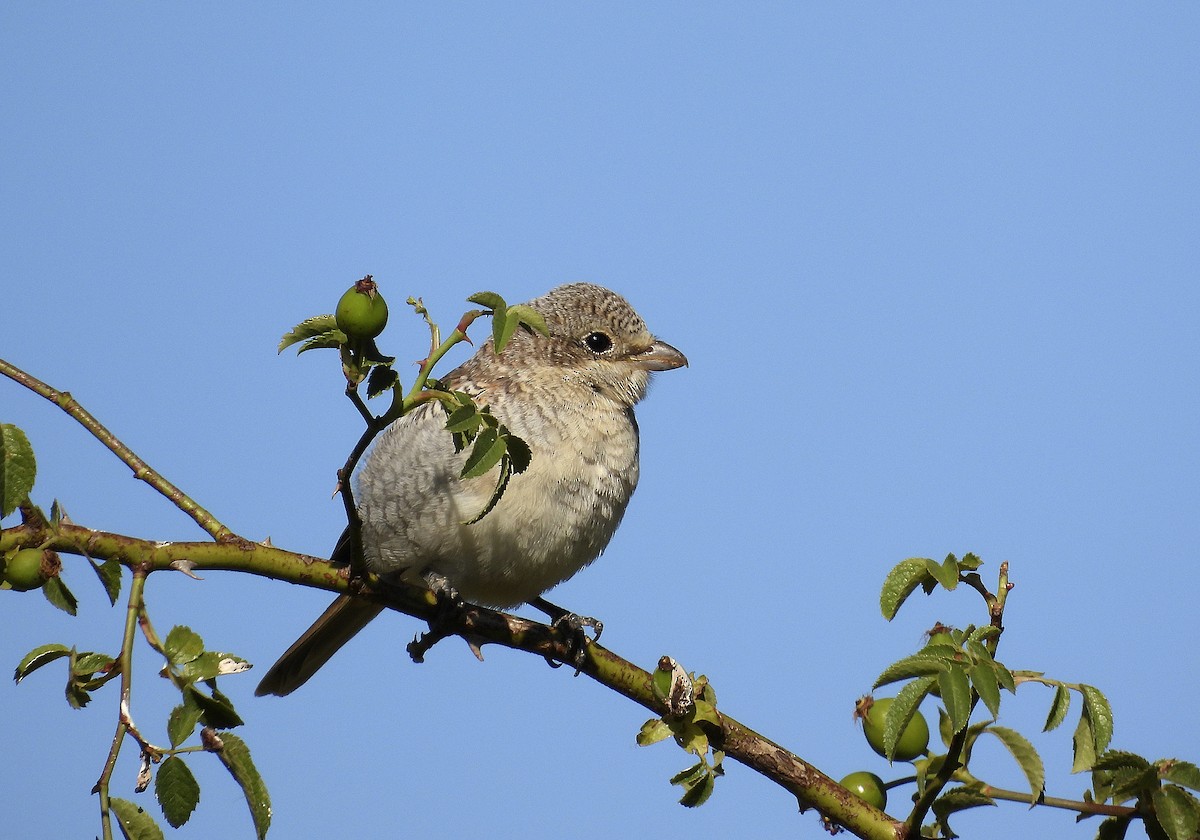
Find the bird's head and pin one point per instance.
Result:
(596, 340)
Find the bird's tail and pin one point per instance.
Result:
(336, 626)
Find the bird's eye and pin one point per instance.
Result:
(597, 342)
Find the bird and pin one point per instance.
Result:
(570, 396)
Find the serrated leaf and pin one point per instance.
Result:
(215, 711)
(917, 665)
(486, 452)
(945, 573)
(706, 712)
(987, 686)
(183, 645)
(1027, 758)
(212, 664)
(982, 634)
(529, 317)
(518, 453)
(901, 581)
(39, 656)
(1083, 743)
(488, 300)
(235, 755)
(464, 419)
(1097, 708)
(697, 794)
(381, 379)
(958, 799)
(88, 663)
(135, 823)
(59, 595)
(691, 775)
(653, 731)
(109, 573)
(307, 329)
(1177, 813)
(329, 341)
(904, 706)
(970, 562)
(182, 721)
(1180, 772)
(956, 696)
(18, 468)
(177, 790)
(1120, 759)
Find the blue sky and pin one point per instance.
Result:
(935, 268)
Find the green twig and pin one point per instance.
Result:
(124, 722)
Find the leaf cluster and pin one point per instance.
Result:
(691, 714)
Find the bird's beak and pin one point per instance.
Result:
(659, 356)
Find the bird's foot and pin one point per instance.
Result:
(573, 628)
(445, 619)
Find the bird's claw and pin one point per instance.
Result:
(572, 628)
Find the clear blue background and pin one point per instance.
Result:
(935, 268)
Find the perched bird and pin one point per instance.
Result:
(570, 397)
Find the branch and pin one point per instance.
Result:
(812, 788)
(141, 470)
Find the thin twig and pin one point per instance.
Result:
(141, 470)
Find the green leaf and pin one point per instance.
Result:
(212, 664)
(216, 711)
(307, 329)
(488, 300)
(182, 645)
(919, 664)
(235, 755)
(1095, 705)
(653, 731)
(1119, 760)
(956, 696)
(982, 634)
(904, 706)
(1027, 758)
(135, 823)
(970, 562)
(381, 379)
(485, 454)
(1113, 828)
(1180, 772)
(945, 573)
(109, 573)
(958, 799)
(1177, 812)
(901, 581)
(39, 656)
(59, 595)
(1084, 744)
(329, 341)
(518, 452)
(183, 719)
(698, 794)
(88, 663)
(17, 468)
(986, 685)
(529, 317)
(177, 790)
(1058, 708)
(503, 328)
(464, 419)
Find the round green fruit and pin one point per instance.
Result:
(362, 312)
(23, 571)
(868, 787)
(913, 741)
